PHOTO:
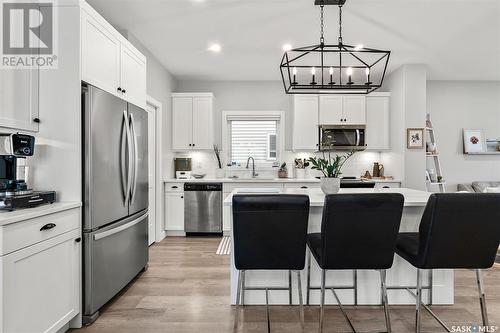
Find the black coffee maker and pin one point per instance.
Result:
(14, 192)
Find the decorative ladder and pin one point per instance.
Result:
(434, 157)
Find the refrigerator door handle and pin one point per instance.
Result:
(136, 166)
(116, 230)
(122, 157)
(129, 154)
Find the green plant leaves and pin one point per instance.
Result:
(331, 168)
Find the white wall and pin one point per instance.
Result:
(160, 84)
(455, 105)
(407, 85)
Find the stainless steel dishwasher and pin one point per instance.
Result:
(203, 208)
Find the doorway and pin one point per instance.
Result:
(153, 108)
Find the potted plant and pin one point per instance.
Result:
(331, 169)
(283, 171)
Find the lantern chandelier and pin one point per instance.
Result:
(333, 69)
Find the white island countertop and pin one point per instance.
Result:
(413, 198)
(262, 180)
(19, 215)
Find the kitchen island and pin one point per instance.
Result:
(368, 282)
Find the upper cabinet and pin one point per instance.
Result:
(109, 61)
(309, 111)
(19, 103)
(192, 121)
(378, 122)
(305, 122)
(342, 110)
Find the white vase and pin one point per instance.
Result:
(300, 173)
(330, 185)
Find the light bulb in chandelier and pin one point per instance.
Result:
(313, 72)
(349, 74)
(331, 76)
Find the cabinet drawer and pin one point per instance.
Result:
(174, 187)
(231, 186)
(16, 236)
(302, 185)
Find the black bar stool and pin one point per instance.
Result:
(457, 230)
(358, 231)
(269, 233)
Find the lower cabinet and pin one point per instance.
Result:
(174, 211)
(40, 285)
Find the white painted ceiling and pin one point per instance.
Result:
(456, 39)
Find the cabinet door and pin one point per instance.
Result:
(354, 109)
(377, 123)
(182, 123)
(330, 110)
(41, 285)
(132, 77)
(202, 123)
(100, 55)
(19, 99)
(305, 122)
(174, 206)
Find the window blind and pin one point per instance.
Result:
(256, 138)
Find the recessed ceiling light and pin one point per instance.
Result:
(287, 47)
(359, 47)
(215, 47)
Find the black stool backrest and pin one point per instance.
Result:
(459, 230)
(270, 231)
(359, 231)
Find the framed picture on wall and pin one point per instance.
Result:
(474, 141)
(415, 138)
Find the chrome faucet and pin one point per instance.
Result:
(254, 174)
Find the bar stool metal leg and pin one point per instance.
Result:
(355, 284)
(418, 301)
(267, 312)
(237, 308)
(430, 287)
(290, 287)
(482, 299)
(384, 300)
(308, 276)
(243, 287)
(301, 303)
(322, 301)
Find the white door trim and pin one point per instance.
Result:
(160, 232)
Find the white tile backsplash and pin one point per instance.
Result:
(358, 164)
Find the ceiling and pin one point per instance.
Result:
(456, 39)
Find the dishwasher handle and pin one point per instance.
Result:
(203, 187)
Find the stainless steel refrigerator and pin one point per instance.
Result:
(115, 186)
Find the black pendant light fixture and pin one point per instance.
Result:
(333, 69)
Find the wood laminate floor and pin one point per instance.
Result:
(186, 290)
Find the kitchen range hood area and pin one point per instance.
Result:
(264, 166)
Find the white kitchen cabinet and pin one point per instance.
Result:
(132, 76)
(342, 110)
(40, 285)
(100, 55)
(387, 184)
(377, 122)
(19, 103)
(354, 110)
(174, 211)
(330, 110)
(109, 61)
(192, 121)
(305, 122)
(202, 123)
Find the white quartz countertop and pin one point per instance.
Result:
(317, 197)
(262, 180)
(19, 215)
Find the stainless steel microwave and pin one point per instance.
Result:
(342, 137)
